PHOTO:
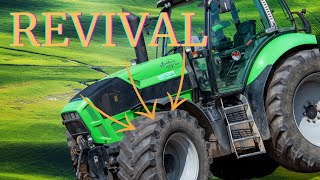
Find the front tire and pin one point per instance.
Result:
(170, 147)
(293, 101)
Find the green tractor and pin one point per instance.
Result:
(253, 101)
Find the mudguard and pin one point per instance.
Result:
(276, 48)
(260, 71)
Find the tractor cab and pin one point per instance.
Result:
(236, 32)
(235, 37)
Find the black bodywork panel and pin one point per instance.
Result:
(255, 93)
(114, 95)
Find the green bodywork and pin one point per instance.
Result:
(276, 48)
(103, 131)
(153, 71)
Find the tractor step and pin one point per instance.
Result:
(250, 154)
(242, 122)
(246, 138)
(244, 134)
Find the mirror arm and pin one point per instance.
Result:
(306, 23)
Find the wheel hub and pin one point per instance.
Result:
(311, 112)
(306, 108)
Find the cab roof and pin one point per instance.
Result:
(173, 3)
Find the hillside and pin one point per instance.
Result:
(36, 82)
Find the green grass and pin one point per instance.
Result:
(32, 94)
(282, 173)
(36, 82)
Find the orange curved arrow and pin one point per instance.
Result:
(128, 127)
(176, 103)
(149, 114)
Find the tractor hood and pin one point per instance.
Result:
(153, 72)
(114, 94)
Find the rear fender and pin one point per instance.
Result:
(276, 48)
(281, 47)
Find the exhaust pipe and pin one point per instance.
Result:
(140, 49)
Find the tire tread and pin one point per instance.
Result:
(138, 149)
(284, 148)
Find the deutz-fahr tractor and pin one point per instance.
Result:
(253, 100)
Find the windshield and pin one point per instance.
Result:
(238, 34)
(230, 26)
(178, 22)
(243, 13)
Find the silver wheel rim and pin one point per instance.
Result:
(180, 158)
(306, 103)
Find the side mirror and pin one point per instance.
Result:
(224, 6)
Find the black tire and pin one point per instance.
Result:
(288, 146)
(141, 151)
(230, 167)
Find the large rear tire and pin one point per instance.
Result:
(293, 111)
(170, 147)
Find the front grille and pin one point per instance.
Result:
(74, 124)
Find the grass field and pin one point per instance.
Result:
(36, 82)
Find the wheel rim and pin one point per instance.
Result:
(307, 108)
(180, 158)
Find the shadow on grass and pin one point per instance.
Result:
(48, 159)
